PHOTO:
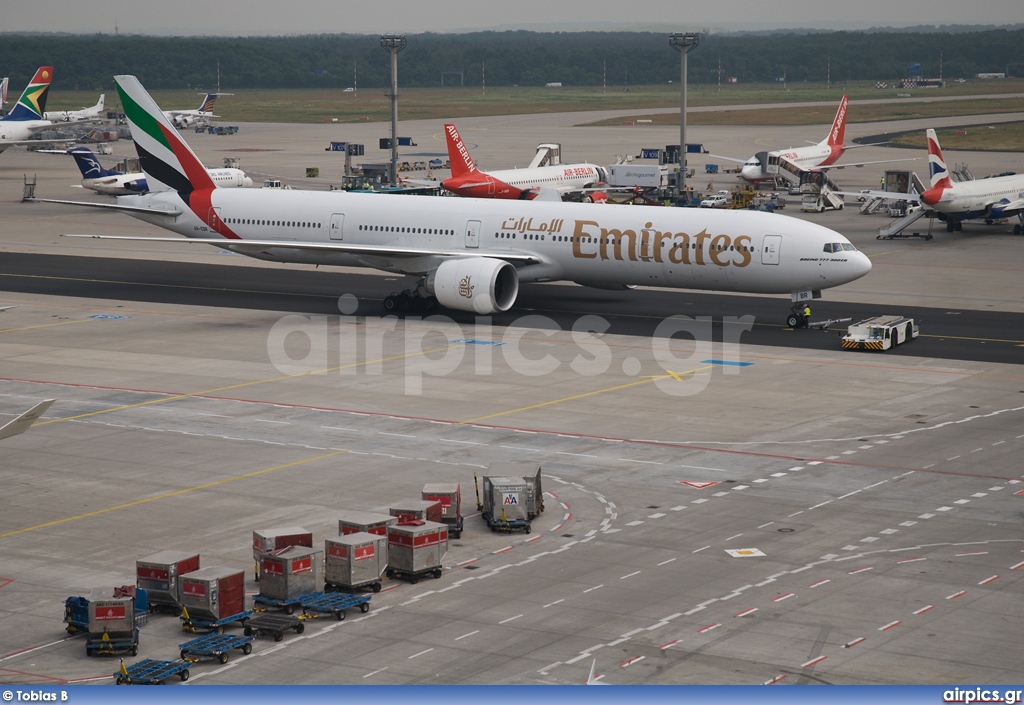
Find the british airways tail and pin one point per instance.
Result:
(837, 135)
(89, 165)
(936, 163)
(168, 162)
(458, 154)
(32, 103)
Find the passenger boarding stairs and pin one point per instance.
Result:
(547, 155)
(818, 191)
(914, 186)
(897, 226)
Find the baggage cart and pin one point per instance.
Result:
(289, 573)
(334, 603)
(273, 625)
(531, 477)
(158, 574)
(449, 494)
(190, 624)
(112, 626)
(505, 505)
(368, 522)
(355, 561)
(215, 646)
(416, 550)
(213, 593)
(151, 672)
(417, 510)
(270, 540)
(289, 605)
(107, 644)
(76, 614)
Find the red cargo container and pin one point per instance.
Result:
(290, 573)
(212, 593)
(270, 540)
(449, 494)
(355, 560)
(417, 510)
(158, 575)
(370, 522)
(416, 549)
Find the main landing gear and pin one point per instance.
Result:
(954, 226)
(410, 301)
(796, 319)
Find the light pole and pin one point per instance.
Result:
(393, 43)
(684, 43)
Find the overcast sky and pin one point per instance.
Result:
(245, 17)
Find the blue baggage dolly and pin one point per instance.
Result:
(76, 614)
(188, 624)
(273, 625)
(289, 605)
(151, 672)
(215, 646)
(106, 645)
(334, 603)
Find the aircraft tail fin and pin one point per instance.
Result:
(208, 102)
(88, 164)
(32, 103)
(168, 162)
(100, 103)
(837, 134)
(458, 154)
(936, 163)
(23, 422)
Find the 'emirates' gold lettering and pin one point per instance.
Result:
(591, 241)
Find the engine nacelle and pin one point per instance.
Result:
(480, 285)
(182, 121)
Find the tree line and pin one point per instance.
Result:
(88, 62)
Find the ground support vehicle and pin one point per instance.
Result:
(880, 333)
(151, 672)
(289, 605)
(334, 603)
(106, 645)
(215, 646)
(189, 624)
(273, 625)
(412, 576)
(76, 614)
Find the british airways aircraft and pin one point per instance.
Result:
(472, 254)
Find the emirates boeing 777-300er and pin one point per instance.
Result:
(472, 254)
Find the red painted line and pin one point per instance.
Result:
(745, 612)
(988, 580)
(924, 609)
(890, 625)
(709, 628)
(1019, 492)
(538, 537)
(859, 570)
(392, 587)
(551, 494)
(975, 553)
(4, 582)
(32, 675)
(471, 560)
(774, 680)
(635, 441)
(820, 582)
(557, 527)
(88, 680)
(956, 595)
(671, 643)
(780, 598)
(856, 641)
(814, 661)
(631, 661)
(502, 550)
(1018, 566)
(911, 560)
(564, 506)
(567, 517)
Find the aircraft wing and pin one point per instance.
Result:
(23, 422)
(7, 308)
(888, 195)
(341, 247)
(860, 164)
(730, 159)
(109, 206)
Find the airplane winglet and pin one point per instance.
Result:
(23, 422)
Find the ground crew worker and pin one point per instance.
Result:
(807, 315)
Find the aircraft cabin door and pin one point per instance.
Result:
(337, 226)
(770, 249)
(213, 220)
(473, 233)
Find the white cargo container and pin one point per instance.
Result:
(290, 573)
(270, 540)
(369, 522)
(416, 549)
(645, 176)
(354, 561)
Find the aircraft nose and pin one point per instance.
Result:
(861, 265)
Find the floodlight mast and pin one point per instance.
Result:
(684, 43)
(394, 43)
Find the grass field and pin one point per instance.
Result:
(1006, 137)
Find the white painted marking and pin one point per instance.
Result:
(944, 509)
(719, 494)
(510, 619)
(734, 537)
(700, 549)
(924, 609)
(578, 455)
(373, 673)
(988, 580)
(701, 467)
(926, 516)
(596, 587)
(678, 508)
(468, 443)
(888, 532)
(907, 523)
(780, 598)
(646, 462)
(764, 525)
(859, 570)
(702, 500)
(638, 522)
(869, 539)
(422, 652)
(552, 604)
(630, 575)
(760, 480)
(813, 661)
(656, 515)
(779, 474)
(459, 638)
(549, 667)
(980, 494)
(961, 501)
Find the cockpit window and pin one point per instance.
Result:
(828, 247)
(849, 247)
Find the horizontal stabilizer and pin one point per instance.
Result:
(23, 422)
(109, 206)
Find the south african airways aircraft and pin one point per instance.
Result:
(472, 254)
(26, 117)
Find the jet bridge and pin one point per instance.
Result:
(547, 155)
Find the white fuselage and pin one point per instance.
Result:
(135, 182)
(561, 177)
(742, 251)
(982, 198)
(93, 113)
(19, 130)
(804, 158)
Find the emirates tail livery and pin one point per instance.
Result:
(522, 184)
(989, 199)
(822, 156)
(472, 254)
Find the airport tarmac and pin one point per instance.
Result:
(724, 512)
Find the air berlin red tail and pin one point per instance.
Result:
(458, 155)
(838, 132)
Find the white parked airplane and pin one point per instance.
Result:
(184, 118)
(26, 117)
(988, 199)
(117, 183)
(764, 166)
(472, 254)
(93, 113)
(24, 421)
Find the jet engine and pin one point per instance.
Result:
(480, 285)
(182, 121)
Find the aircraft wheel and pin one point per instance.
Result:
(792, 321)
(958, 226)
(404, 303)
(1017, 229)
(949, 226)
(433, 305)
(389, 303)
